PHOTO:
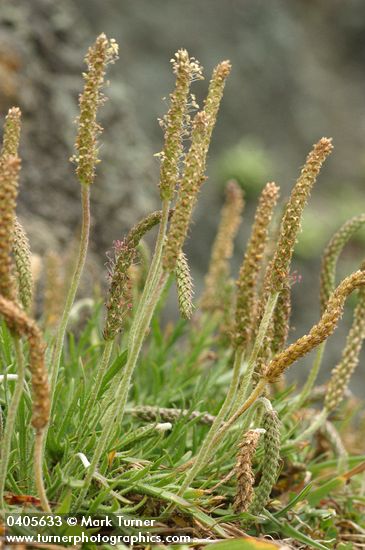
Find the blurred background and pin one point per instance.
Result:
(298, 74)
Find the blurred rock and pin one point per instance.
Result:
(42, 45)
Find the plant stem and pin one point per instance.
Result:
(116, 411)
(254, 395)
(217, 430)
(11, 416)
(305, 393)
(205, 450)
(264, 325)
(96, 387)
(75, 281)
(38, 473)
(139, 328)
(218, 436)
(152, 275)
(151, 280)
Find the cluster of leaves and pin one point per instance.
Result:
(311, 502)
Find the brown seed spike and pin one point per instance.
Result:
(291, 221)
(281, 319)
(218, 272)
(176, 121)
(9, 174)
(319, 332)
(246, 313)
(342, 373)
(11, 133)
(103, 52)
(244, 473)
(184, 284)
(22, 260)
(17, 318)
(119, 300)
(214, 97)
(188, 191)
(332, 253)
(54, 290)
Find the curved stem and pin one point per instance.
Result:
(154, 285)
(217, 432)
(264, 325)
(305, 393)
(206, 448)
(152, 275)
(38, 471)
(11, 416)
(75, 281)
(255, 394)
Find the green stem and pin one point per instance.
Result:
(75, 281)
(115, 414)
(217, 431)
(153, 272)
(152, 275)
(38, 471)
(11, 416)
(251, 399)
(305, 393)
(206, 448)
(214, 439)
(92, 398)
(264, 325)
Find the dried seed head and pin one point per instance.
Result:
(244, 473)
(103, 52)
(22, 259)
(214, 97)
(11, 133)
(184, 285)
(54, 290)
(16, 317)
(188, 190)
(222, 251)
(245, 316)
(319, 332)
(194, 164)
(9, 174)
(291, 221)
(176, 122)
(119, 300)
(213, 100)
(342, 373)
(269, 474)
(331, 255)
